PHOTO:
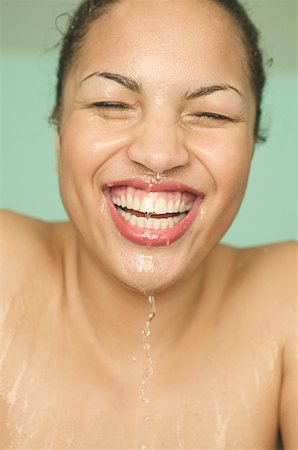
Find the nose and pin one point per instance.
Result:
(158, 146)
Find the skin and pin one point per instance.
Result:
(223, 341)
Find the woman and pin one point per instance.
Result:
(158, 112)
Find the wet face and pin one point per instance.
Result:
(158, 87)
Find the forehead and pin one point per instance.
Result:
(170, 38)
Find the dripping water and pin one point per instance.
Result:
(203, 211)
(148, 372)
(147, 223)
(146, 331)
(103, 207)
(158, 176)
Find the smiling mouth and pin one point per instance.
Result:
(152, 214)
(153, 210)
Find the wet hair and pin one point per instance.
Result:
(90, 11)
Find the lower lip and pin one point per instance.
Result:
(149, 237)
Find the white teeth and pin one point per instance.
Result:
(116, 201)
(164, 224)
(147, 205)
(151, 223)
(136, 204)
(160, 206)
(151, 205)
(170, 206)
(171, 222)
(148, 223)
(182, 207)
(121, 212)
(129, 201)
(133, 219)
(156, 224)
(176, 206)
(141, 222)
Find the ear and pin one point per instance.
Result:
(58, 151)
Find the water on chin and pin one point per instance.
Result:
(145, 271)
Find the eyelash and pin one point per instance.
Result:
(212, 116)
(124, 106)
(111, 105)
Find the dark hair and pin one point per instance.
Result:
(90, 10)
(251, 40)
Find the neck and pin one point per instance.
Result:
(114, 316)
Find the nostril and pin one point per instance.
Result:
(159, 161)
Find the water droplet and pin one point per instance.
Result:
(146, 333)
(158, 176)
(145, 399)
(103, 206)
(148, 372)
(203, 211)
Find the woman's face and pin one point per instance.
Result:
(159, 86)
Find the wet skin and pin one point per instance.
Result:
(223, 340)
(225, 374)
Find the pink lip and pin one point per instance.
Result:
(154, 186)
(150, 237)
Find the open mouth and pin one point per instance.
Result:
(152, 214)
(153, 210)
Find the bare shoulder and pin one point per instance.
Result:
(21, 237)
(263, 279)
(272, 269)
(269, 276)
(278, 257)
(28, 256)
(27, 251)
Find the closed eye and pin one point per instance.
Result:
(212, 116)
(114, 111)
(204, 119)
(111, 105)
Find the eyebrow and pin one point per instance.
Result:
(207, 90)
(121, 79)
(134, 86)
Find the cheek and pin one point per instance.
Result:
(226, 156)
(227, 161)
(86, 145)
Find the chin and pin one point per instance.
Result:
(147, 273)
(147, 285)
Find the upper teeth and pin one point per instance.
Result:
(152, 204)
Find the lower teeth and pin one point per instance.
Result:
(149, 222)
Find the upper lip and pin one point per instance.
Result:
(154, 186)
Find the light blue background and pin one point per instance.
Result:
(28, 64)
